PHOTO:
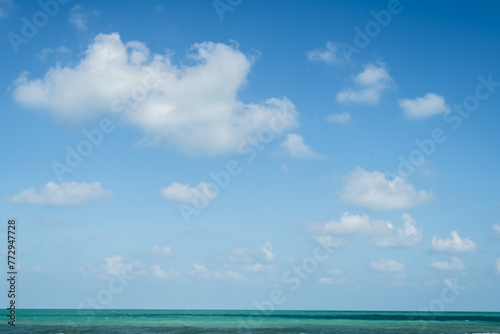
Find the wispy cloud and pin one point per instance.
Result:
(161, 252)
(387, 266)
(341, 118)
(65, 193)
(161, 274)
(184, 193)
(79, 18)
(330, 54)
(294, 145)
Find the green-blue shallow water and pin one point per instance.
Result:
(236, 321)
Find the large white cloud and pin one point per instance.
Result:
(453, 244)
(454, 264)
(294, 145)
(65, 193)
(193, 107)
(372, 190)
(421, 107)
(381, 233)
(372, 82)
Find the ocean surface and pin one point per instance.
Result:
(225, 322)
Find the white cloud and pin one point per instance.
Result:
(497, 262)
(388, 235)
(222, 275)
(161, 252)
(117, 266)
(328, 55)
(258, 267)
(453, 244)
(339, 118)
(372, 82)
(161, 274)
(228, 276)
(421, 107)
(372, 190)
(78, 17)
(387, 266)
(200, 271)
(65, 193)
(191, 108)
(382, 233)
(496, 229)
(294, 145)
(184, 193)
(245, 255)
(454, 264)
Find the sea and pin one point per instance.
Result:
(121, 321)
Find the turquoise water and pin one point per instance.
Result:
(222, 322)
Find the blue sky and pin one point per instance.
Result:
(252, 154)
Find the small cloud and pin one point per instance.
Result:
(382, 234)
(454, 264)
(421, 107)
(497, 262)
(116, 265)
(342, 118)
(372, 190)
(200, 271)
(161, 274)
(161, 252)
(372, 82)
(496, 230)
(42, 55)
(329, 55)
(79, 18)
(65, 193)
(387, 266)
(184, 193)
(225, 275)
(294, 145)
(258, 267)
(453, 244)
